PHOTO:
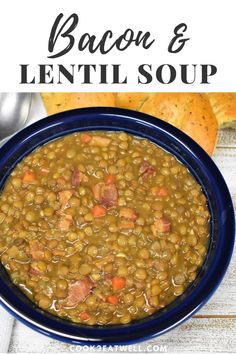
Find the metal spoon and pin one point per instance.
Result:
(14, 111)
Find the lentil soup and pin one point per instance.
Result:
(102, 227)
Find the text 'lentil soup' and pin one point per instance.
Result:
(102, 227)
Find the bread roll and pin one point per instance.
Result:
(131, 100)
(190, 112)
(62, 101)
(224, 107)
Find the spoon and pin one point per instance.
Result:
(14, 111)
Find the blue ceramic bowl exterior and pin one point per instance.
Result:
(200, 165)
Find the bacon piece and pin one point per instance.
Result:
(146, 170)
(79, 290)
(161, 225)
(144, 167)
(77, 178)
(65, 222)
(36, 250)
(128, 213)
(100, 141)
(64, 197)
(61, 182)
(107, 195)
(34, 272)
(97, 190)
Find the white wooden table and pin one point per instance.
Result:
(212, 330)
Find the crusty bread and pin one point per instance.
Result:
(190, 112)
(224, 107)
(131, 100)
(62, 101)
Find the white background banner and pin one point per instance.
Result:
(207, 61)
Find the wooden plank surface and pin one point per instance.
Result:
(197, 335)
(212, 330)
(226, 138)
(223, 302)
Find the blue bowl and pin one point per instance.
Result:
(201, 166)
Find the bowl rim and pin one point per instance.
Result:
(148, 328)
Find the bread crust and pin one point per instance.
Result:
(131, 100)
(224, 107)
(56, 102)
(190, 112)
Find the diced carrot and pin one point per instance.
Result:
(29, 177)
(126, 225)
(128, 213)
(86, 138)
(65, 222)
(118, 283)
(112, 299)
(110, 179)
(84, 315)
(162, 192)
(98, 211)
(100, 141)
